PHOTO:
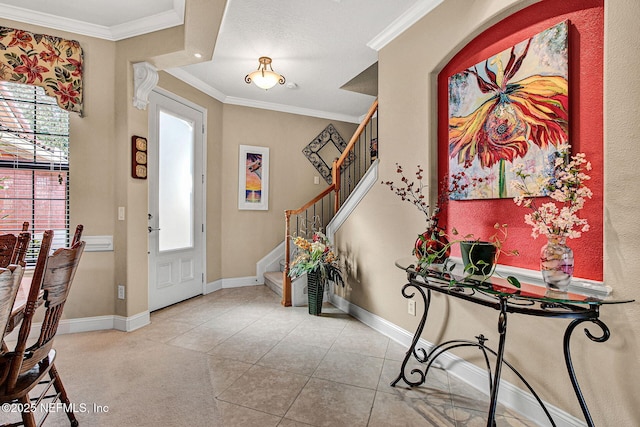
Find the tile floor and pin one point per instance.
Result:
(267, 366)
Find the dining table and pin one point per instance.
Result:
(19, 304)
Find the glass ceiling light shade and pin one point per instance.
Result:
(264, 77)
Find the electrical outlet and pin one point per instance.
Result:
(411, 309)
(120, 291)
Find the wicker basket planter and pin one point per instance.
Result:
(315, 290)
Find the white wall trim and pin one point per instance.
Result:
(195, 82)
(238, 282)
(509, 395)
(95, 323)
(232, 100)
(212, 287)
(349, 205)
(160, 21)
(132, 323)
(98, 243)
(403, 22)
(291, 109)
(269, 262)
(145, 78)
(534, 277)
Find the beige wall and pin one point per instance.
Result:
(91, 155)
(248, 235)
(100, 166)
(609, 372)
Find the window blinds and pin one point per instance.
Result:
(34, 164)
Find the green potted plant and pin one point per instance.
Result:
(318, 261)
(479, 257)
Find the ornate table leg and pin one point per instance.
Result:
(502, 329)
(567, 357)
(426, 298)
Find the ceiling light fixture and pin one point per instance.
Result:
(264, 77)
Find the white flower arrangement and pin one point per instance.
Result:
(566, 187)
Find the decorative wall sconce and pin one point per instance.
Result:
(264, 77)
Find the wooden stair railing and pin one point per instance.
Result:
(346, 172)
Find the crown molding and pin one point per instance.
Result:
(291, 109)
(215, 93)
(191, 80)
(137, 27)
(403, 22)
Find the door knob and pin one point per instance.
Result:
(152, 229)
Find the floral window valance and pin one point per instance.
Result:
(50, 62)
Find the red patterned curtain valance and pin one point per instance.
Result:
(42, 60)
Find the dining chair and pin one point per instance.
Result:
(13, 249)
(53, 276)
(10, 278)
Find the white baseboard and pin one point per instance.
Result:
(131, 323)
(89, 324)
(238, 282)
(509, 395)
(212, 287)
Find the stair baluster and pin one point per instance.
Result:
(346, 172)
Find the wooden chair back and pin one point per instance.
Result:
(22, 370)
(53, 275)
(10, 279)
(13, 249)
(77, 235)
(7, 244)
(56, 283)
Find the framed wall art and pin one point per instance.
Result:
(253, 178)
(512, 106)
(324, 149)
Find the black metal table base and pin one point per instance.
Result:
(418, 376)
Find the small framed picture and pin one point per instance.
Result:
(253, 178)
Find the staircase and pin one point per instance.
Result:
(347, 172)
(273, 280)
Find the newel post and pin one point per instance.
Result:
(286, 280)
(335, 178)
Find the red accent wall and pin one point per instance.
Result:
(586, 39)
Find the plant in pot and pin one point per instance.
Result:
(431, 246)
(480, 257)
(318, 261)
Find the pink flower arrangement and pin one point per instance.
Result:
(568, 191)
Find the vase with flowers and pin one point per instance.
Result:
(431, 246)
(557, 219)
(317, 259)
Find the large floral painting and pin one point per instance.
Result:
(513, 105)
(42, 60)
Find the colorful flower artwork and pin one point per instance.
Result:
(253, 171)
(50, 62)
(253, 178)
(513, 105)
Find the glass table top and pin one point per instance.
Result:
(437, 276)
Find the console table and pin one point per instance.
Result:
(501, 295)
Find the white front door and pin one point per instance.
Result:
(176, 182)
